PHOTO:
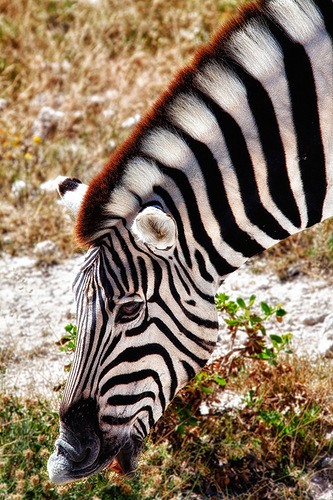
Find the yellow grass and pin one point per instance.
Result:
(99, 63)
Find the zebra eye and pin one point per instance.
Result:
(128, 311)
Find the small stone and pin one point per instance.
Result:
(44, 248)
(132, 120)
(46, 122)
(18, 187)
(3, 104)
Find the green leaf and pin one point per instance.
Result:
(256, 319)
(232, 322)
(206, 390)
(241, 303)
(180, 429)
(266, 309)
(252, 299)
(219, 380)
(281, 312)
(276, 339)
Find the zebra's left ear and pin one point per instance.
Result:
(71, 192)
(156, 228)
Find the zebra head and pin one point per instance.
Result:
(145, 327)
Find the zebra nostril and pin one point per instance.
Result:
(78, 444)
(76, 453)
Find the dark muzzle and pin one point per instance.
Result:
(82, 450)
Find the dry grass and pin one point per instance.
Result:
(98, 64)
(309, 252)
(269, 448)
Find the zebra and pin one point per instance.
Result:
(234, 157)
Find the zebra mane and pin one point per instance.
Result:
(93, 215)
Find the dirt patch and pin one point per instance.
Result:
(36, 303)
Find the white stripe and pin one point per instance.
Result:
(300, 19)
(303, 22)
(256, 50)
(139, 178)
(194, 117)
(229, 92)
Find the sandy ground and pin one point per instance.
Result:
(37, 303)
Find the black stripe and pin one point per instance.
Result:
(304, 105)
(189, 370)
(129, 378)
(110, 349)
(129, 257)
(107, 244)
(144, 275)
(143, 427)
(202, 267)
(110, 272)
(242, 163)
(124, 420)
(92, 331)
(174, 293)
(204, 344)
(270, 139)
(101, 336)
(134, 354)
(217, 198)
(158, 275)
(105, 282)
(129, 399)
(168, 201)
(183, 282)
(198, 229)
(207, 298)
(176, 342)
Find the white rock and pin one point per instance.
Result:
(326, 337)
(48, 119)
(66, 65)
(17, 188)
(108, 113)
(132, 120)
(96, 99)
(43, 248)
(3, 104)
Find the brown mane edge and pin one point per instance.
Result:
(91, 215)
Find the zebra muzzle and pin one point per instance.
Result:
(74, 458)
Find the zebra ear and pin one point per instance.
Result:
(156, 228)
(71, 192)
